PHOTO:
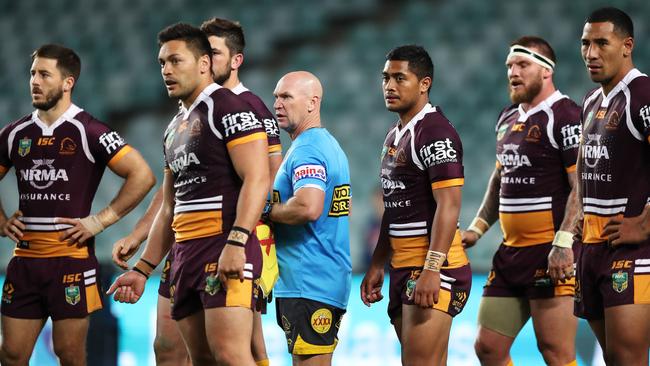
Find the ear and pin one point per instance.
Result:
(236, 61)
(425, 84)
(547, 73)
(205, 64)
(68, 84)
(313, 102)
(628, 46)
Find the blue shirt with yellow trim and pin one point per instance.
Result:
(314, 258)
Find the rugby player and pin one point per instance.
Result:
(532, 191)
(60, 153)
(216, 181)
(422, 176)
(613, 275)
(310, 213)
(227, 41)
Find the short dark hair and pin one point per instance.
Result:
(194, 38)
(418, 58)
(540, 43)
(67, 61)
(622, 22)
(224, 28)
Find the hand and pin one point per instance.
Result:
(427, 289)
(77, 234)
(628, 230)
(124, 249)
(13, 227)
(231, 264)
(469, 238)
(560, 264)
(371, 285)
(128, 287)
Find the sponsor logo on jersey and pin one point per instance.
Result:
(321, 320)
(392, 185)
(24, 146)
(570, 136)
(182, 159)
(613, 121)
(43, 174)
(183, 126)
(438, 152)
(111, 141)
(340, 201)
(44, 196)
(593, 150)
(309, 171)
(397, 204)
(271, 127)
(518, 127)
(240, 122)
(67, 146)
(644, 113)
(46, 141)
(72, 295)
(510, 158)
(534, 134)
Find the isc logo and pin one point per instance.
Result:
(71, 278)
(45, 141)
(340, 201)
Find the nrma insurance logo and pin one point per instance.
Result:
(309, 171)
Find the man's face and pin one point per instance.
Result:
(46, 83)
(603, 51)
(179, 68)
(221, 59)
(401, 87)
(525, 78)
(291, 104)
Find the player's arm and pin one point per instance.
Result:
(305, 206)
(560, 259)
(138, 180)
(12, 227)
(374, 279)
(129, 286)
(126, 247)
(488, 212)
(250, 160)
(443, 229)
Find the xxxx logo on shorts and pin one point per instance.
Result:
(212, 284)
(619, 281)
(7, 292)
(72, 295)
(321, 320)
(410, 287)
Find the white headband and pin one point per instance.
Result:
(536, 57)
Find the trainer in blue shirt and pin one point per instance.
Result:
(309, 209)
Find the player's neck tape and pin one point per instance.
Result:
(536, 57)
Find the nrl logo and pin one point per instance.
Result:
(72, 295)
(212, 285)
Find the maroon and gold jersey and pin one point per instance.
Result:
(424, 155)
(263, 113)
(196, 146)
(615, 153)
(535, 151)
(58, 169)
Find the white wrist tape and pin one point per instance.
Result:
(92, 224)
(563, 239)
(479, 226)
(434, 261)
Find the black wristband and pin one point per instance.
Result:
(236, 243)
(240, 229)
(148, 263)
(136, 269)
(266, 212)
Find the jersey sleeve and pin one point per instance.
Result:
(237, 122)
(5, 162)
(308, 168)
(270, 124)
(640, 106)
(106, 145)
(566, 133)
(440, 153)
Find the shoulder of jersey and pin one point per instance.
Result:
(640, 84)
(566, 105)
(17, 122)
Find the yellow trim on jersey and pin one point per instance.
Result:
(456, 256)
(448, 183)
(49, 245)
(120, 154)
(197, 224)
(642, 289)
(568, 288)
(444, 299)
(3, 169)
(411, 252)
(572, 168)
(525, 229)
(275, 148)
(93, 300)
(239, 293)
(247, 138)
(303, 348)
(593, 226)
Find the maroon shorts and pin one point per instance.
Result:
(194, 285)
(455, 285)
(163, 287)
(61, 288)
(609, 277)
(521, 272)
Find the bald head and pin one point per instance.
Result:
(297, 101)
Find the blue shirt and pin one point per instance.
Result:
(314, 258)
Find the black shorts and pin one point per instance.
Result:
(163, 287)
(311, 327)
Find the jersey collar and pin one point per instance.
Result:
(69, 114)
(627, 79)
(428, 108)
(544, 104)
(240, 88)
(205, 94)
